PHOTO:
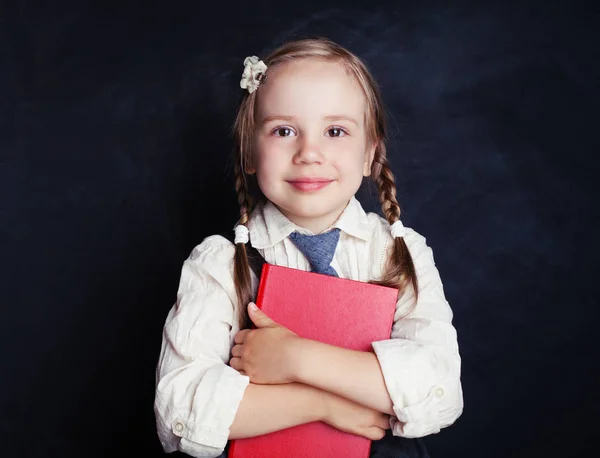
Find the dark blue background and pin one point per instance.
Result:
(114, 139)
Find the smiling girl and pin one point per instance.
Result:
(309, 129)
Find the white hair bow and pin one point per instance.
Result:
(254, 73)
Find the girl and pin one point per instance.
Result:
(309, 128)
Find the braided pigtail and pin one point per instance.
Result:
(241, 268)
(400, 271)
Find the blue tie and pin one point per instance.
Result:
(318, 249)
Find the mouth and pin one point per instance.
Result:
(309, 184)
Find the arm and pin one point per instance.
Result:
(421, 363)
(268, 408)
(271, 354)
(354, 375)
(197, 393)
(415, 375)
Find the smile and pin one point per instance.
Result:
(309, 184)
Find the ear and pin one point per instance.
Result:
(369, 157)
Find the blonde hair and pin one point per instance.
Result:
(400, 270)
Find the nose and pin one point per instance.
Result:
(309, 152)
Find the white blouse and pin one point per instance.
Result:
(198, 394)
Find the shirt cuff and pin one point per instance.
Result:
(420, 384)
(206, 431)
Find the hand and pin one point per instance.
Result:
(264, 354)
(354, 418)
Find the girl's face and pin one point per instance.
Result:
(310, 144)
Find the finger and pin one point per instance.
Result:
(236, 363)
(258, 317)
(240, 337)
(383, 422)
(375, 433)
(237, 351)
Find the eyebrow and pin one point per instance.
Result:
(293, 118)
(341, 118)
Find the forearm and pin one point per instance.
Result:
(268, 408)
(354, 375)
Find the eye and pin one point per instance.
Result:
(333, 132)
(283, 131)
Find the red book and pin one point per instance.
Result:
(336, 311)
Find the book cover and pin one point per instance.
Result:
(336, 311)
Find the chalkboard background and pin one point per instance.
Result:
(114, 139)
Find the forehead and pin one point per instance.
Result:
(310, 88)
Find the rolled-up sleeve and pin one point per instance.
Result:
(197, 393)
(421, 363)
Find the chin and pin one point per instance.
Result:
(311, 209)
(308, 206)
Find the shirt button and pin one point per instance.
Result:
(439, 393)
(178, 427)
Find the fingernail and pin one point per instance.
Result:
(253, 306)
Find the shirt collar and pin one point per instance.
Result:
(268, 226)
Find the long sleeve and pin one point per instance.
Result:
(421, 363)
(197, 393)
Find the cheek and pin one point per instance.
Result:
(352, 161)
(269, 163)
